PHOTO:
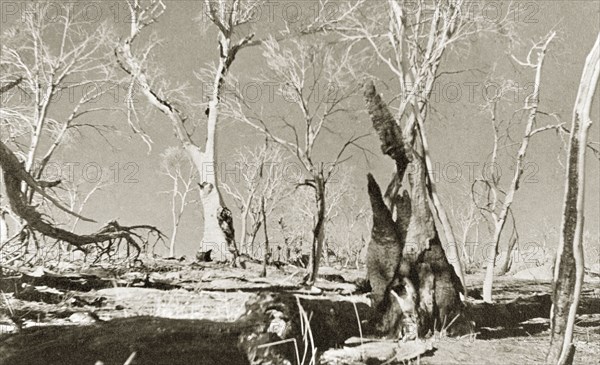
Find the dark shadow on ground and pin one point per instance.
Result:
(524, 330)
(156, 341)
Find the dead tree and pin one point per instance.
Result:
(266, 253)
(108, 239)
(410, 40)
(467, 218)
(303, 68)
(37, 120)
(350, 226)
(177, 166)
(411, 295)
(500, 212)
(233, 22)
(132, 60)
(569, 267)
(261, 171)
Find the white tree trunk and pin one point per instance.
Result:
(569, 267)
(214, 237)
(244, 233)
(514, 184)
(3, 228)
(451, 250)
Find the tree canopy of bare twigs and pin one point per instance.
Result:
(176, 165)
(319, 81)
(411, 40)
(54, 74)
(232, 20)
(260, 176)
(497, 202)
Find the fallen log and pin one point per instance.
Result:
(510, 313)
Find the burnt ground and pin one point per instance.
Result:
(172, 312)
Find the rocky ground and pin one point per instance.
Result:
(171, 312)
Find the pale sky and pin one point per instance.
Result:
(459, 133)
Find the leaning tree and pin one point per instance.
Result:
(51, 89)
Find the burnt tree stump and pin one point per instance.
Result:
(411, 295)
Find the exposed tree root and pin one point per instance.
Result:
(107, 239)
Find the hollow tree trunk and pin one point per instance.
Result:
(569, 267)
(410, 293)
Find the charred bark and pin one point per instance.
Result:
(441, 308)
(384, 255)
(389, 132)
(415, 290)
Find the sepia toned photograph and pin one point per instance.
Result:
(299, 182)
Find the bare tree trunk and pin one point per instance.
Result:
(318, 230)
(43, 98)
(569, 267)
(514, 185)
(3, 227)
(244, 233)
(465, 252)
(451, 249)
(266, 253)
(253, 234)
(174, 216)
(476, 246)
(508, 260)
(172, 243)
